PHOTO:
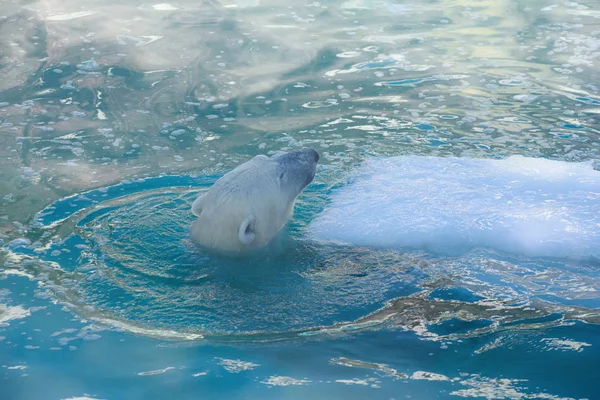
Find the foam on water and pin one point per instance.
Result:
(530, 206)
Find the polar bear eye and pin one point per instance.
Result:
(281, 174)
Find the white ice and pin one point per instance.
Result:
(530, 206)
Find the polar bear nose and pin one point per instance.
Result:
(309, 155)
(299, 156)
(315, 154)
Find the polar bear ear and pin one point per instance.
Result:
(197, 205)
(246, 231)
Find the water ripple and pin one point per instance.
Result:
(120, 256)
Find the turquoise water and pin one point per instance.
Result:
(115, 115)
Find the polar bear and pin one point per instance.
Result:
(249, 205)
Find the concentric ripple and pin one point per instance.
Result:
(121, 256)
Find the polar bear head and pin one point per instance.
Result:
(248, 206)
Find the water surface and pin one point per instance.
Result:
(114, 115)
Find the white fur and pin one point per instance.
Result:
(246, 208)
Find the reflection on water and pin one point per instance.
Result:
(97, 96)
(96, 92)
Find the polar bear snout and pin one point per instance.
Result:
(311, 153)
(316, 155)
(302, 155)
(298, 167)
